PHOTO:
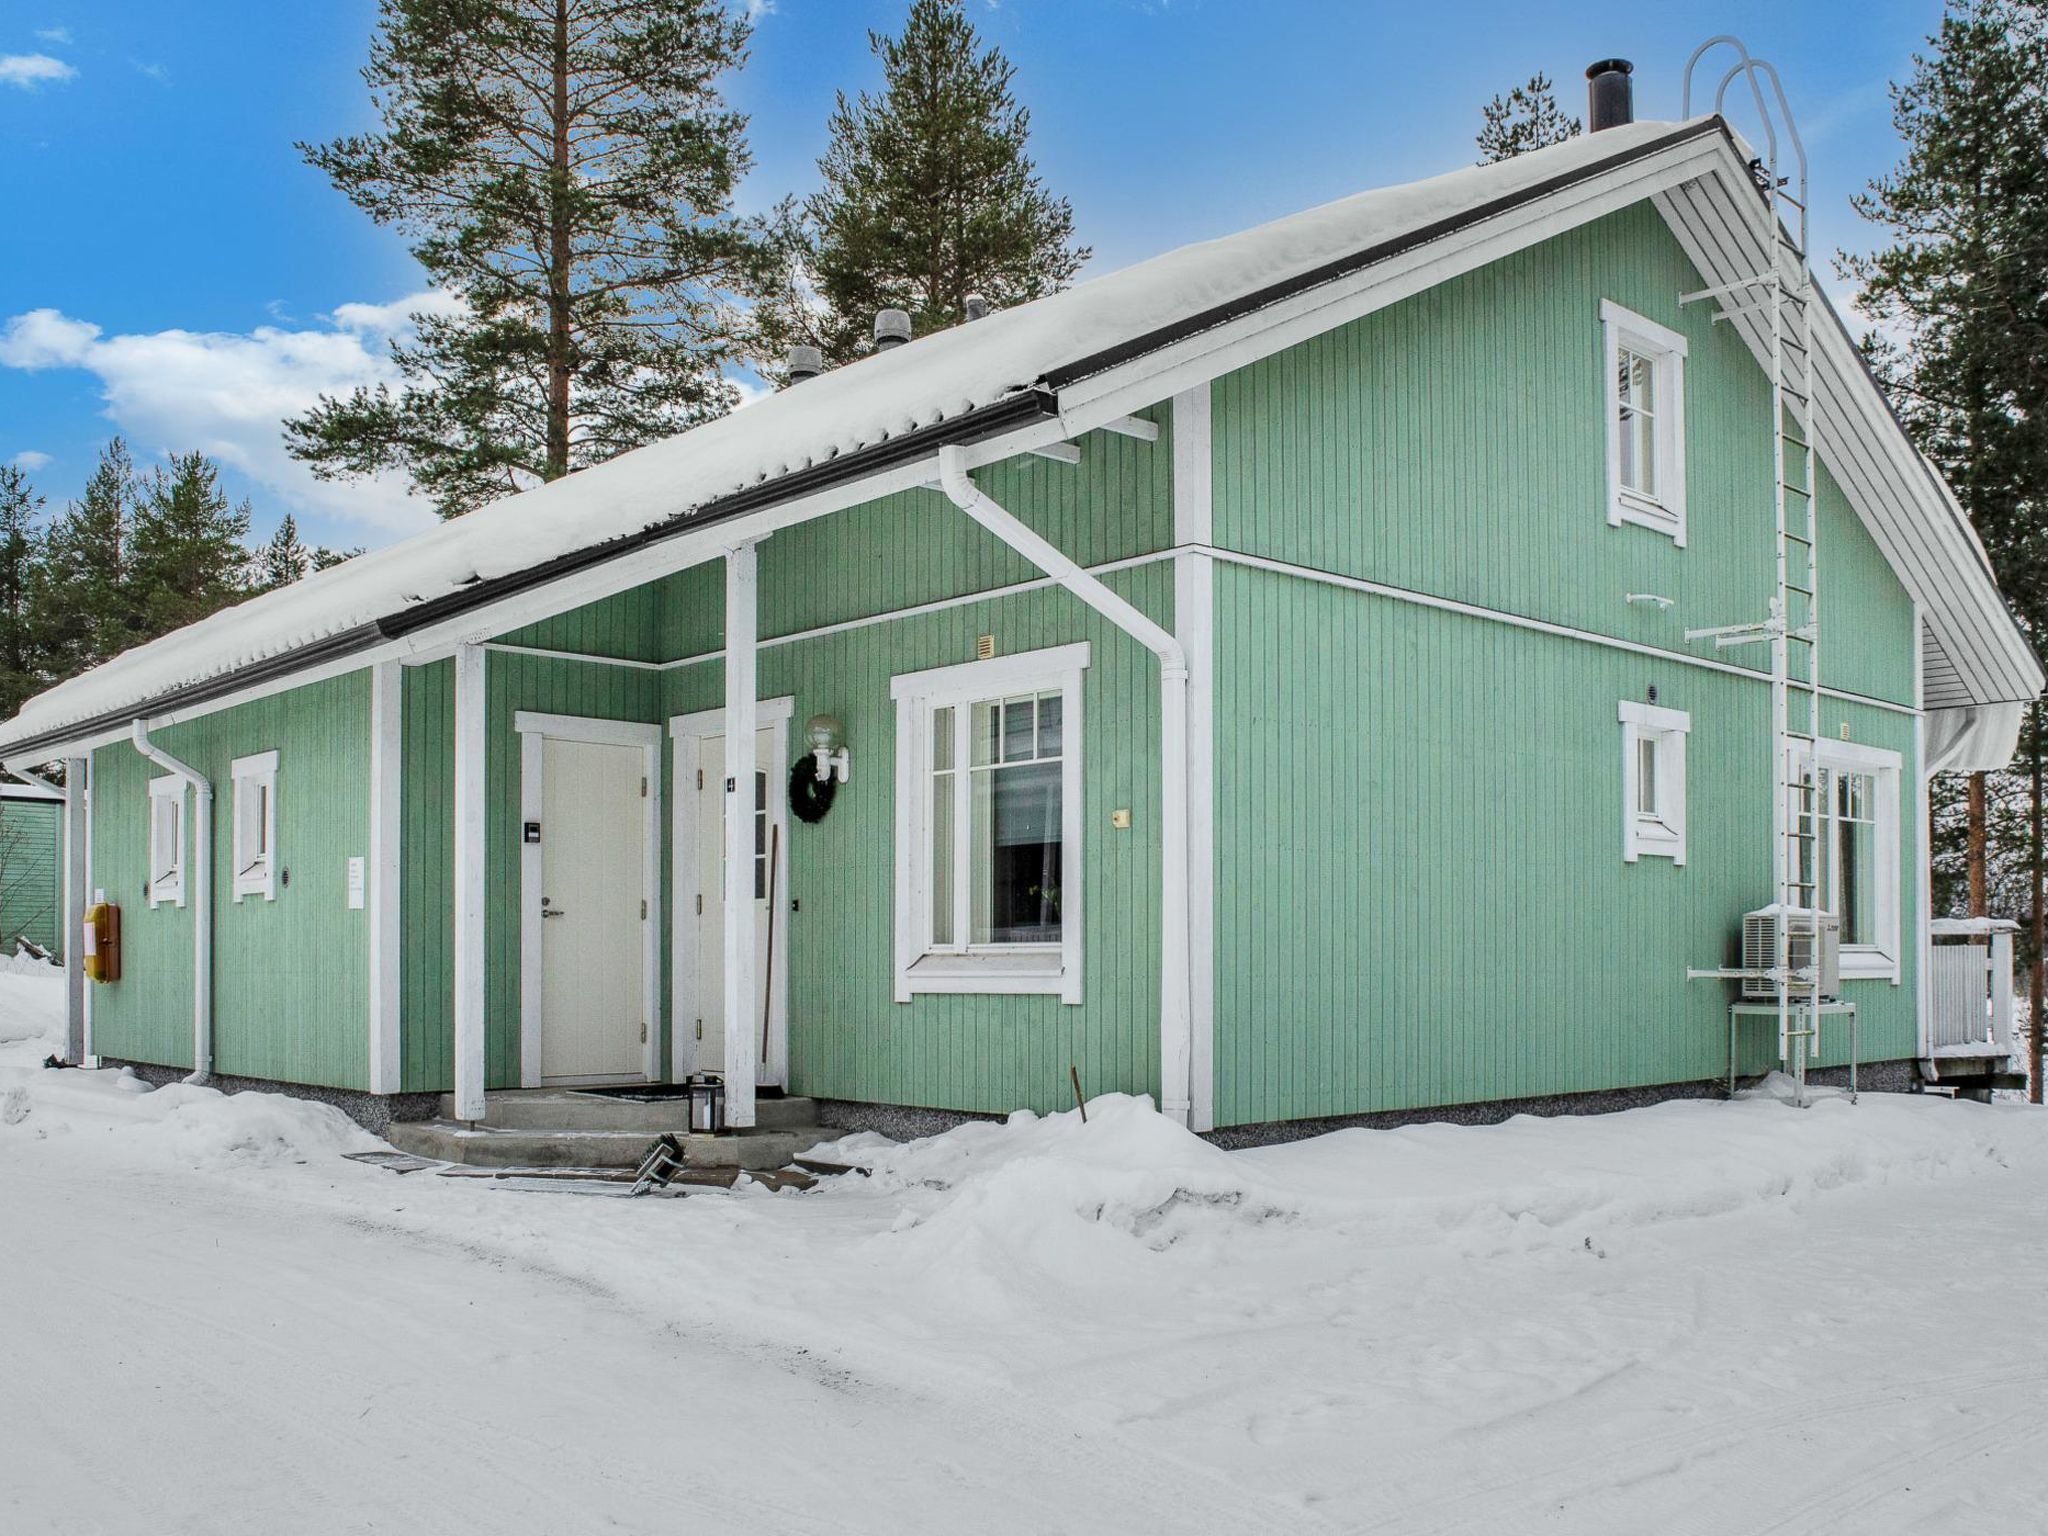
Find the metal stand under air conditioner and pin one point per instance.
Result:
(1774, 307)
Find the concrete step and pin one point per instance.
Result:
(569, 1109)
(487, 1146)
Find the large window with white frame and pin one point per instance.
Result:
(1850, 851)
(1653, 781)
(167, 841)
(1645, 398)
(254, 781)
(988, 803)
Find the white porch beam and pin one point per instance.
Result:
(387, 716)
(742, 990)
(470, 745)
(76, 839)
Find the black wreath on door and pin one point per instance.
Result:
(810, 797)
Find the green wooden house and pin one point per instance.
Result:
(1263, 678)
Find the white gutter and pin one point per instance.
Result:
(199, 884)
(1176, 1030)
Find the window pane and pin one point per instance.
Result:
(942, 855)
(982, 734)
(1856, 855)
(1646, 776)
(1050, 725)
(1016, 841)
(1017, 732)
(942, 739)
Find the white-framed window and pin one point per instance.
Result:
(1645, 399)
(1653, 782)
(988, 826)
(1856, 845)
(255, 835)
(167, 841)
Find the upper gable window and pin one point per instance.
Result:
(1645, 422)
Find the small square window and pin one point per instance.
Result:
(1653, 782)
(1645, 422)
(167, 841)
(255, 825)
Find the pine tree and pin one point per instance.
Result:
(1959, 306)
(20, 550)
(186, 556)
(930, 194)
(286, 558)
(1527, 118)
(80, 602)
(566, 169)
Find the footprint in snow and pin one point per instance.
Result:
(14, 1106)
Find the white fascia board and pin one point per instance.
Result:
(1901, 502)
(1091, 402)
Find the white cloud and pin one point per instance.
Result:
(58, 35)
(226, 394)
(29, 70)
(32, 461)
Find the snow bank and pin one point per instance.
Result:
(1056, 1192)
(176, 1124)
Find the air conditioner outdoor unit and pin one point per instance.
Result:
(1820, 961)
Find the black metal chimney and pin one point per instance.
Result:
(1610, 99)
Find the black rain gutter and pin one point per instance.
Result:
(1022, 409)
(1006, 415)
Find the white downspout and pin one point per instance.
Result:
(1176, 1036)
(199, 885)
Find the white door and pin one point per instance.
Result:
(709, 832)
(592, 910)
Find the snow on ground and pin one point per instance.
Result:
(1694, 1318)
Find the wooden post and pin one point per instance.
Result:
(1980, 897)
(470, 755)
(2037, 970)
(741, 687)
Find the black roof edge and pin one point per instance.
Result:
(1358, 261)
(1005, 415)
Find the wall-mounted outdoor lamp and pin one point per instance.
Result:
(827, 750)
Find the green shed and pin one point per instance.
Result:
(31, 868)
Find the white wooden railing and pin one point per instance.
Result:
(1970, 986)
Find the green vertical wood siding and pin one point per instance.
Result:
(1421, 893)
(31, 874)
(427, 879)
(290, 976)
(848, 1037)
(1455, 443)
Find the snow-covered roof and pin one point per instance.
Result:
(841, 417)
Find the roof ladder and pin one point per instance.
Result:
(1780, 300)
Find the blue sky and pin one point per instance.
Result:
(174, 272)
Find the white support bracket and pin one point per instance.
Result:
(1060, 453)
(1134, 426)
(1724, 289)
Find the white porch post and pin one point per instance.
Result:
(387, 713)
(470, 701)
(76, 770)
(1194, 625)
(742, 1022)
